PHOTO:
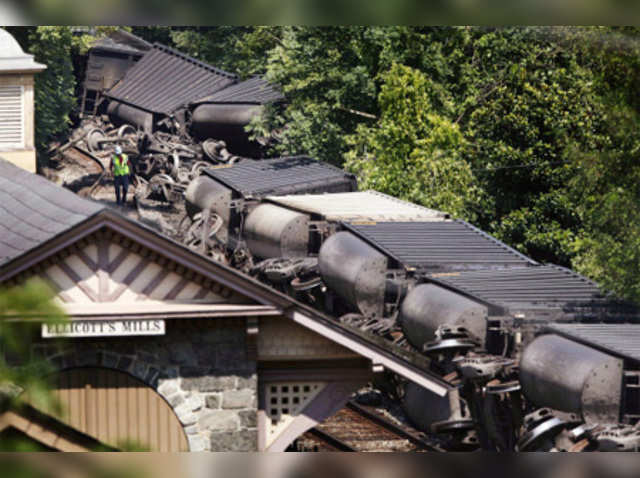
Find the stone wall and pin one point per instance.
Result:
(200, 367)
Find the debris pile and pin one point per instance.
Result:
(164, 163)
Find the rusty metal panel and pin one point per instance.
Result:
(116, 408)
(165, 80)
(105, 69)
(288, 175)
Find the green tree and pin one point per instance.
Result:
(533, 102)
(606, 193)
(238, 49)
(414, 152)
(528, 132)
(219, 46)
(330, 78)
(55, 87)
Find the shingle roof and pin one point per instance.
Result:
(34, 210)
(165, 80)
(255, 91)
(289, 175)
(439, 245)
(620, 339)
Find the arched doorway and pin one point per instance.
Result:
(118, 409)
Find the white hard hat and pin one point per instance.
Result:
(118, 150)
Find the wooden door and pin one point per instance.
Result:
(118, 409)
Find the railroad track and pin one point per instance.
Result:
(359, 428)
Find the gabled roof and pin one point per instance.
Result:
(164, 80)
(33, 210)
(87, 218)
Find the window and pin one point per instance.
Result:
(284, 401)
(11, 116)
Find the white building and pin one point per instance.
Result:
(17, 70)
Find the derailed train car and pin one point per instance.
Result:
(538, 357)
(157, 88)
(500, 327)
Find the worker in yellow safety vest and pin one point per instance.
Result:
(120, 168)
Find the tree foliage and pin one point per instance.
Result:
(54, 87)
(413, 152)
(606, 194)
(530, 103)
(22, 373)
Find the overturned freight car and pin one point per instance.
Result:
(108, 61)
(154, 87)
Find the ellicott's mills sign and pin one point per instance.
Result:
(104, 328)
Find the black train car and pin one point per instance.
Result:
(231, 191)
